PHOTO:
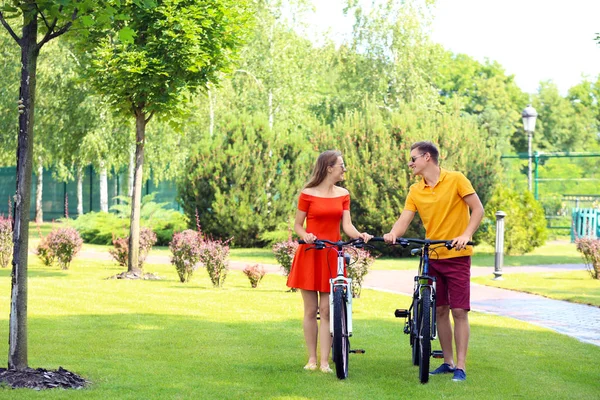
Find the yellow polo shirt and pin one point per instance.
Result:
(442, 209)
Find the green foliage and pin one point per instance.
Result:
(60, 245)
(102, 228)
(245, 181)
(358, 269)
(525, 225)
(255, 273)
(6, 241)
(185, 248)
(590, 250)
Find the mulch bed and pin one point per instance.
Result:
(40, 378)
(136, 275)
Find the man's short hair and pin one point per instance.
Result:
(427, 147)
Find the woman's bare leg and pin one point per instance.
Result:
(310, 324)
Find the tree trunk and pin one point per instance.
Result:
(39, 212)
(134, 228)
(17, 338)
(131, 172)
(103, 187)
(79, 191)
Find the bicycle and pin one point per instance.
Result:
(340, 303)
(420, 319)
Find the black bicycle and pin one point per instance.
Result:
(420, 320)
(340, 303)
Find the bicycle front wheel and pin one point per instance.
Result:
(413, 327)
(341, 343)
(424, 335)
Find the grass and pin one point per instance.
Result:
(168, 340)
(575, 286)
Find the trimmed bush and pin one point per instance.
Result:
(6, 244)
(255, 273)
(358, 269)
(60, 245)
(590, 250)
(186, 249)
(213, 255)
(120, 252)
(284, 254)
(525, 221)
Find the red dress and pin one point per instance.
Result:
(311, 270)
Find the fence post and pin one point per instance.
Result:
(499, 245)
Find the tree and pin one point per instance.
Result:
(48, 19)
(150, 65)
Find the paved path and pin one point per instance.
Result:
(576, 320)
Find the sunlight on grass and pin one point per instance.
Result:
(164, 339)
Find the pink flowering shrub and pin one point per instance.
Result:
(186, 249)
(60, 245)
(358, 268)
(255, 273)
(6, 245)
(213, 255)
(120, 252)
(590, 250)
(284, 254)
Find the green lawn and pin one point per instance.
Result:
(575, 286)
(168, 340)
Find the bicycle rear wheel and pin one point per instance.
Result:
(341, 343)
(424, 335)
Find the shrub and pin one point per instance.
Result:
(590, 250)
(358, 268)
(121, 247)
(255, 273)
(185, 247)
(213, 255)
(525, 222)
(284, 254)
(6, 244)
(61, 245)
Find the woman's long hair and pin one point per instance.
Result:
(326, 159)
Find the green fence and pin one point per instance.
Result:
(59, 198)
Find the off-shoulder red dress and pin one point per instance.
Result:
(311, 270)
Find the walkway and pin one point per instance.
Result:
(576, 320)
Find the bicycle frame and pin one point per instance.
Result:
(422, 280)
(343, 283)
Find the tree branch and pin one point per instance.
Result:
(9, 29)
(51, 35)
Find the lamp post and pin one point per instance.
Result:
(529, 116)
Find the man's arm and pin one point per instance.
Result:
(400, 226)
(476, 207)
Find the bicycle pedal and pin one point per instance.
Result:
(401, 313)
(437, 354)
(357, 351)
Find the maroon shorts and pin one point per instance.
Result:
(453, 281)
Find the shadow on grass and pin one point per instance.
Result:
(170, 356)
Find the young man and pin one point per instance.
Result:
(443, 199)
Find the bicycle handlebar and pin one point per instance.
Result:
(322, 243)
(404, 242)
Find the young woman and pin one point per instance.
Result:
(323, 206)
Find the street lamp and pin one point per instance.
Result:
(529, 116)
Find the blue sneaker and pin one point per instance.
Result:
(459, 375)
(442, 369)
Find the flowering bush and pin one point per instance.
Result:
(121, 251)
(6, 247)
(590, 250)
(60, 245)
(284, 254)
(255, 273)
(213, 255)
(185, 247)
(358, 269)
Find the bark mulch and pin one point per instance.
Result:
(40, 378)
